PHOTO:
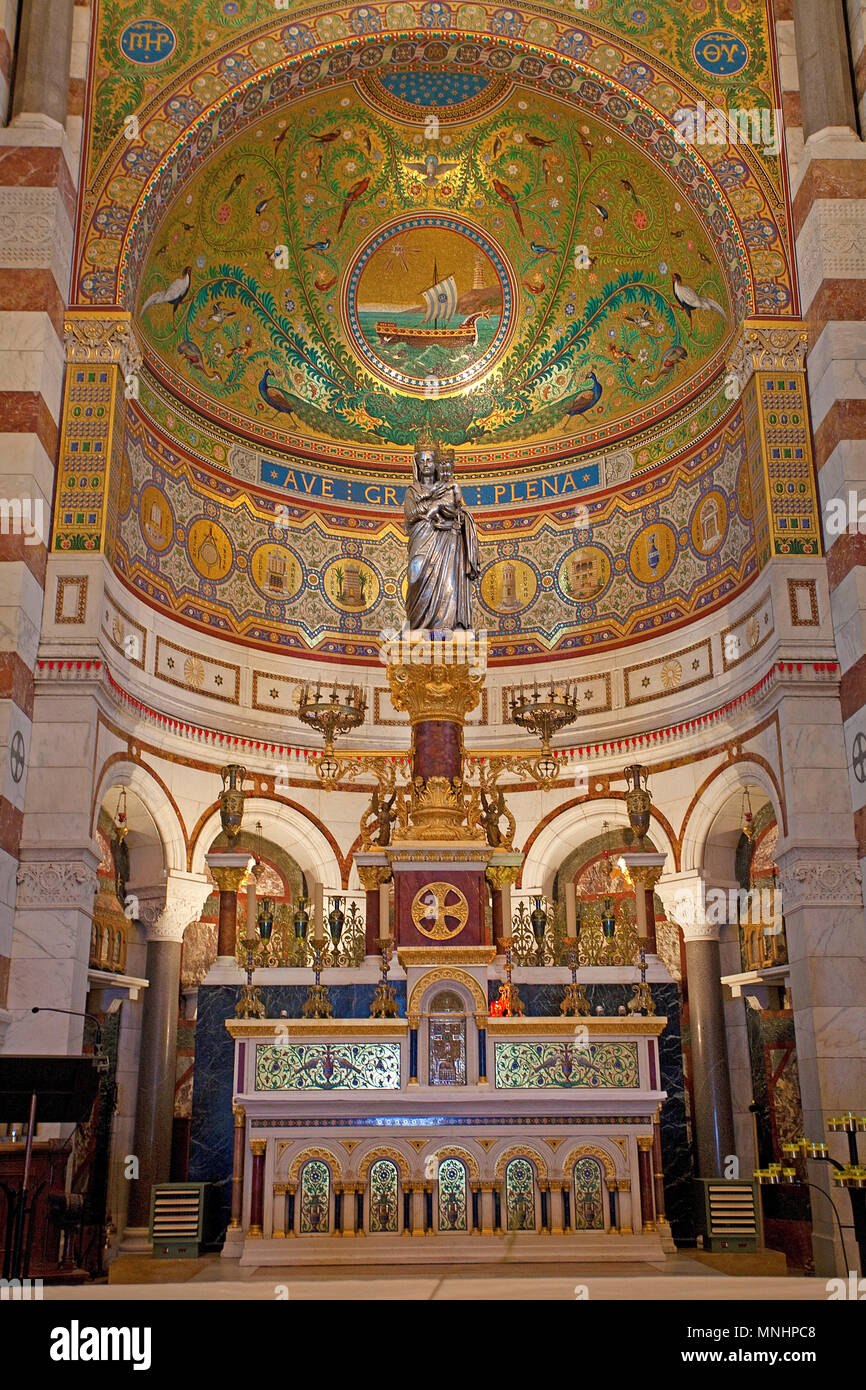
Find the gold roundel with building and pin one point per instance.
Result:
(436, 907)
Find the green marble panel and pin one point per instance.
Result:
(328, 1067)
(556, 1066)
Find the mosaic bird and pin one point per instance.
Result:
(276, 397)
(670, 358)
(602, 211)
(586, 145)
(187, 226)
(498, 141)
(355, 192)
(173, 294)
(319, 246)
(328, 138)
(161, 252)
(192, 354)
(629, 188)
(219, 314)
(586, 398)
(706, 260)
(539, 249)
(234, 185)
(619, 354)
(260, 207)
(431, 170)
(545, 168)
(317, 166)
(680, 231)
(324, 281)
(280, 138)
(538, 142)
(504, 192)
(367, 143)
(689, 300)
(642, 320)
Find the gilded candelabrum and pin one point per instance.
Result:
(575, 1001)
(254, 944)
(384, 1003)
(317, 1004)
(509, 1002)
(642, 1001)
(851, 1175)
(545, 716)
(331, 715)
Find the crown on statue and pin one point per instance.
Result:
(424, 441)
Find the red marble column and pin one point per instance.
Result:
(238, 1157)
(496, 923)
(437, 749)
(257, 1186)
(645, 1168)
(372, 877)
(658, 1175)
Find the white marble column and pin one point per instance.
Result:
(556, 1208)
(164, 921)
(487, 1209)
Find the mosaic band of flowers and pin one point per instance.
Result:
(543, 1066)
(328, 1067)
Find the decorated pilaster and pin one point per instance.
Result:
(257, 1187)
(647, 1202)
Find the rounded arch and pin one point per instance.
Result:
(473, 1167)
(377, 1152)
(286, 825)
(713, 794)
(161, 808)
(305, 1156)
(574, 822)
(608, 1161)
(450, 975)
(520, 1151)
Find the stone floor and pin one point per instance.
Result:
(689, 1275)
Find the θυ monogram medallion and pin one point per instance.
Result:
(440, 911)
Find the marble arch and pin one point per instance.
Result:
(712, 797)
(527, 1151)
(610, 1159)
(285, 826)
(572, 826)
(158, 804)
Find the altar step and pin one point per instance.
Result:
(520, 1248)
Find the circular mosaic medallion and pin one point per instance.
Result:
(351, 585)
(440, 911)
(147, 41)
(210, 549)
(428, 302)
(155, 518)
(508, 585)
(653, 552)
(721, 53)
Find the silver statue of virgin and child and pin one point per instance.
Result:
(443, 545)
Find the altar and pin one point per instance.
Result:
(526, 1138)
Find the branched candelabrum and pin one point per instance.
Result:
(850, 1175)
(317, 1004)
(545, 715)
(331, 715)
(642, 1001)
(384, 1004)
(509, 1002)
(254, 945)
(575, 1000)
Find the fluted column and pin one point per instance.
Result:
(487, 1209)
(625, 1206)
(164, 924)
(279, 1227)
(556, 1209)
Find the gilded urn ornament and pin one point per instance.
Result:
(232, 800)
(637, 801)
